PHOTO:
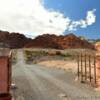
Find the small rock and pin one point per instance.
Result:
(62, 95)
(13, 86)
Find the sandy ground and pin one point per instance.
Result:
(67, 65)
(35, 82)
(60, 64)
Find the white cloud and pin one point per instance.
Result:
(90, 19)
(30, 16)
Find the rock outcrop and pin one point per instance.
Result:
(59, 42)
(17, 40)
(14, 40)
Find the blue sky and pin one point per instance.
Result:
(76, 10)
(37, 17)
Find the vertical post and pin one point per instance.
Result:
(78, 69)
(85, 69)
(81, 68)
(95, 69)
(90, 67)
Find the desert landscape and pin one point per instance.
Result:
(46, 68)
(49, 74)
(49, 50)
(51, 67)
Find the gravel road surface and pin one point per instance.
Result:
(34, 82)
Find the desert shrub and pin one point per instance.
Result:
(31, 56)
(51, 53)
(58, 53)
(66, 55)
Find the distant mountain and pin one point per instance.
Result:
(14, 40)
(93, 40)
(59, 42)
(17, 40)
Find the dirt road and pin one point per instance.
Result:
(36, 82)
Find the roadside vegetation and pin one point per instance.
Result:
(60, 59)
(35, 56)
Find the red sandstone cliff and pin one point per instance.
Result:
(16, 40)
(59, 42)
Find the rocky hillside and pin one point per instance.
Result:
(17, 40)
(13, 40)
(59, 42)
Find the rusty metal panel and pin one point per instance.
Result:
(5, 96)
(9, 73)
(4, 74)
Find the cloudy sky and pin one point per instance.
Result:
(36, 17)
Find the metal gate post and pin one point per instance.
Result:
(81, 68)
(95, 70)
(85, 69)
(90, 67)
(78, 68)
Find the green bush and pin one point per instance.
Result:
(66, 55)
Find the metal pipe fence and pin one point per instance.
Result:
(86, 68)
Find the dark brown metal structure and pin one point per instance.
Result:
(86, 70)
(5, 74)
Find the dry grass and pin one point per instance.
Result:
(60, 64)
(62, 59)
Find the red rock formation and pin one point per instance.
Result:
(59, 42)
(97, 46)
(16, 40)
